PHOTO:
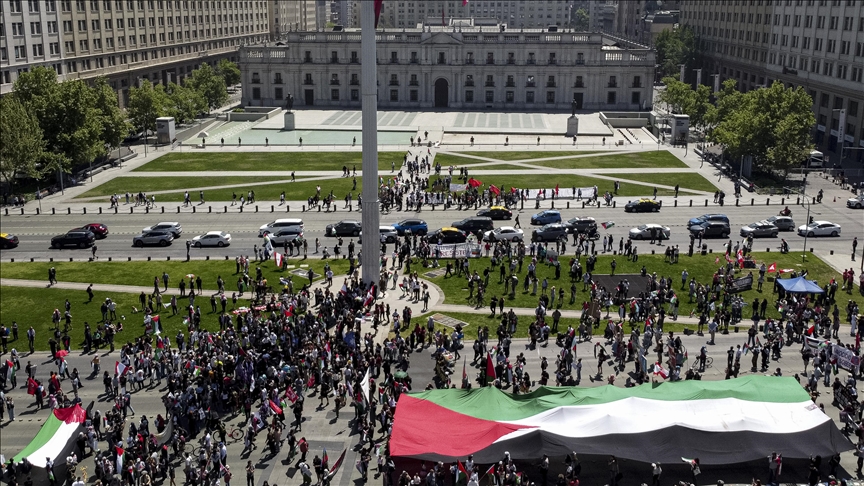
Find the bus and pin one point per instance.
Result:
(815, 160)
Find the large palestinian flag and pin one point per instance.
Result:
(719, 422)
(56, 438)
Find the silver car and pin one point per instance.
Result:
(760, 229)
(161, 238)
(644, 231)
(285, 235)
(783, 223)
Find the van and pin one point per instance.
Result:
(278, 225)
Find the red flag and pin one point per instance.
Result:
(378, 5)
(490, 367)
(370, 296)
(474, 182)
(772, 268)
(464, 3)
(512, 190)
(325, 458)
(278, 257)
(658, 370)
(464, 371)
(291, 395)
(556, 189)
(494, 190)
(490, 470)
(31, 386)
(275, 407)
(119, 368)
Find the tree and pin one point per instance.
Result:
(75, 123)
(675, 47)
(114, 125)
(676, 95)
(580, 20)
(210, 85)
(146, 104)
(727, 100)
(21, 143)
(229, 72)
(184, 103)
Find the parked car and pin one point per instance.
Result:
(275, 226)
(548, 216)
(760, 229)
(504, 233)
(712, 229)
(783, 223)
(98, 229)
(415, 226)
(174, 227)
(344, 228)
(643, 232)
(587, 225)
(212, 238)
(856, 202)
(705, 218)
(159, 237)
(549, 232)
(8, 241)
(447, 235)
(285, 235)
(79, 238)
(819, 228)
(496, 213)
(476, 225)
(642, 206)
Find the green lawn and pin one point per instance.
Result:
(299, 190)
(539, 180)
(266, 161)
(641, 160)
(699, 267)
(529, 154)
(687, 180)
(141, 273)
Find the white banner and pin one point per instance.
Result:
(846, 358)
(458, 250)
(458, 187)
(563, 193)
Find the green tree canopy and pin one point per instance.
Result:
(146, 104)
(114, 125)
(184, 103)
(229, 72)
(580, 20)
(210, 84)
(21, 143)
(675, 47)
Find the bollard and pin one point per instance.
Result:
(226, 257)
(6, 210)
(147, 210)
(287, 208)
(207, 257)
(710, 250)
(100, 210)
(68, 210)
(178, 209)
(22, 210)
(11, 260)
(128, 259)
(168, 258)
(148, 258)
(53, 211)
(652, 252)
(272, 208)
(832, 252)
(553, 204)
(797, 200)
(115, 209)
(163, 209)
(737, 201)
(241, 209)
(32, 260)
(209, 209)
(706, 203)
(303, 209)
(256, 208)
(109, 259)
(225, 209)
(752, 201)
(568, 204)
(811, 250)
(583, 204)
(536, 204)
(782, 200)
(768, 250)
(768, 201)
(675, 204)
(193, 209)
(70, 258)
(614, 204)
(131, 209)
(37, 211)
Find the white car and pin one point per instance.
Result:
(388, 234)
(819, 228)
(644, 231)
(279, 224)
(504, 233)
(212, 238)
(856, 202)
(284, 235)
(174, 227)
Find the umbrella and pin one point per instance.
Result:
(61, 354)
(203, 135)
(190, 275)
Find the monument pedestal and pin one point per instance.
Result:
(572, 126)
(289, 121)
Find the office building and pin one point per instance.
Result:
(464, 67)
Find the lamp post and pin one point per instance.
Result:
(807, 224)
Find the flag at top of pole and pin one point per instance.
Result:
(378, 5)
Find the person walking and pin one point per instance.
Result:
(250, 473)
(854, 246)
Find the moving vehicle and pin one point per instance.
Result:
(707, 218)
(98, 229)
(783, 223)
(79, 238)
(643, 232)
(274, 226)
(212, 238)
(446, 235)
(285, 235)
(476, 225)
(496, 213)
(815, 161)
(415, 226)
(504, 233)
(711, 229)
(819, 228)
(344, 228)
(856, 202)
(174, 227)
(587, 225)
(548, 216)
(760, 229)
(550, 232)
(159, 237)
(642, 206)
(8, 241)
(386, 234)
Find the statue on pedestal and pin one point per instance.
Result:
(573, 107)
(289, 102)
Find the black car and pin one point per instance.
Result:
(586, 226)
(344, 228)
(550, 232)
(8, 241)
(496, 213)
(446, 236)
(642, 206)
(477, 225)
(711, 229)
(81, 239)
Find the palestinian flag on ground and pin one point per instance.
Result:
(720, 422)
(56, 438)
